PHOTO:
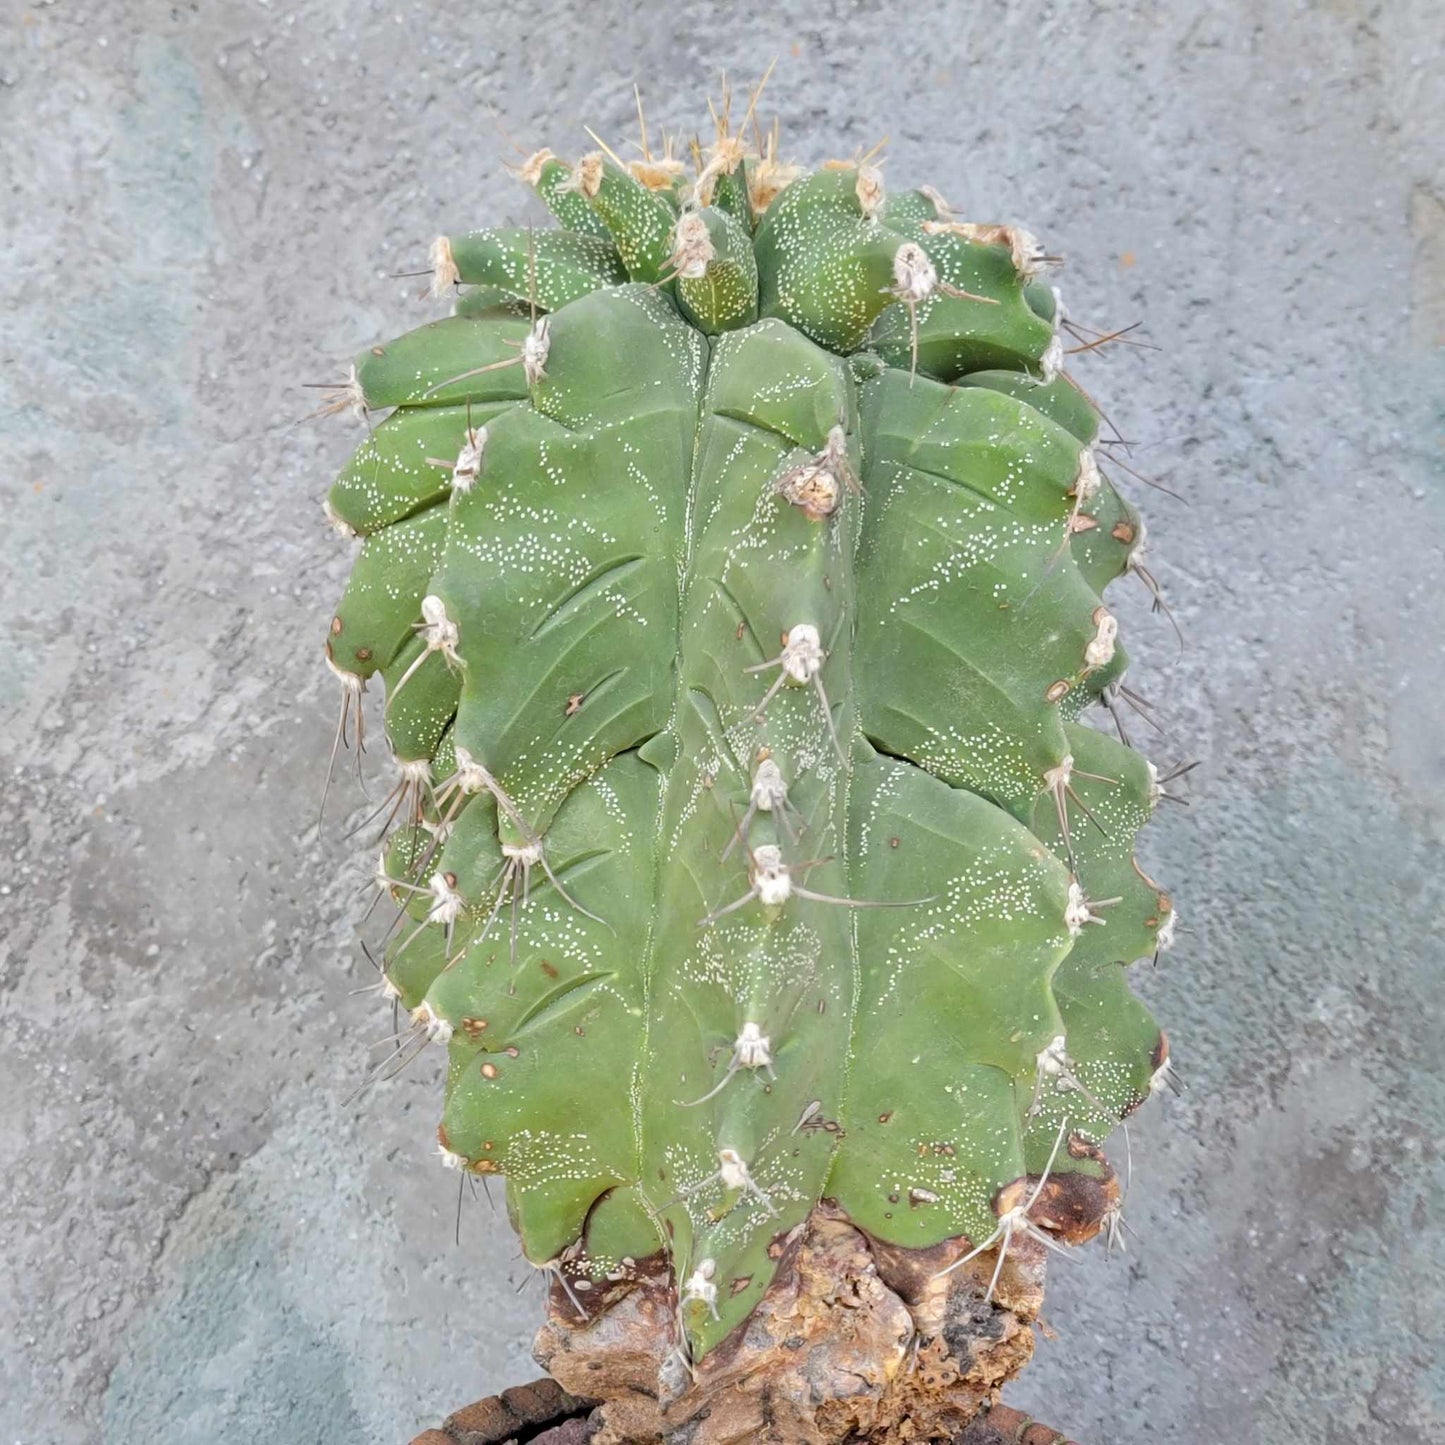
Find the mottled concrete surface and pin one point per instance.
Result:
(201, 206)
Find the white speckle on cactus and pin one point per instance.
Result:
(444, 272)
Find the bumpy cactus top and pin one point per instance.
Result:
(732, 559)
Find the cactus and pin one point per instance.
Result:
(732, 563)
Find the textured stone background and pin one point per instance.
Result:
(201, 205)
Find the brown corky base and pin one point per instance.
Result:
(543, 1413)
(855, 1342)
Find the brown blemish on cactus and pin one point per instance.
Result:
(574, 704)
(1070, 1204)
(1160, 1056)
(490, 1070)
(1134, 863)
(1122, 532)
(1056, 690)
(474, 1028)
(336, 625)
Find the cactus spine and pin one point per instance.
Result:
(732, 560)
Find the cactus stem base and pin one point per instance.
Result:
(854, 1339)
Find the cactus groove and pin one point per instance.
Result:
(732, 561)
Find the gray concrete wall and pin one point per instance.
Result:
(200, 206)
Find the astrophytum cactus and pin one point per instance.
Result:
(732, 561)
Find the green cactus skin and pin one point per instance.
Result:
(750, 849)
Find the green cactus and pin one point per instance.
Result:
(732, 561)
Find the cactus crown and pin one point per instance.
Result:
(732, 561)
